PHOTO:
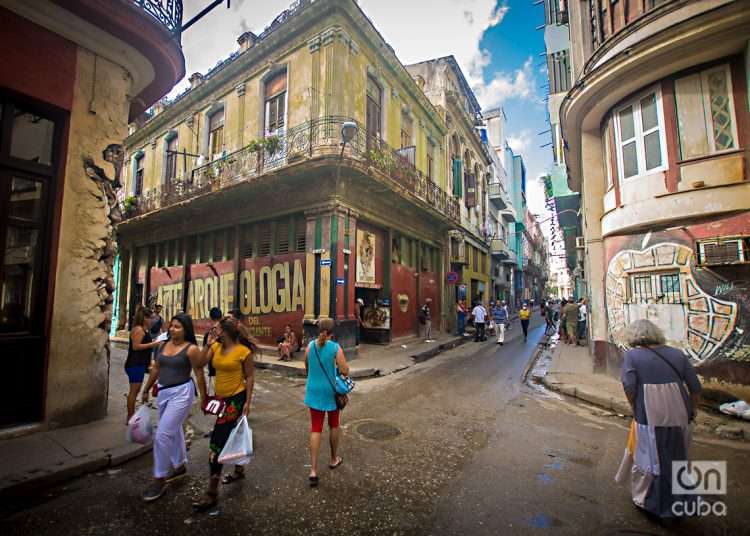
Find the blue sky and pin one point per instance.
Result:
(494, 41)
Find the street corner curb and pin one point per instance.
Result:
(540, 347)
(125, 453)
(53, 474)
(280, 367)
(432, 352)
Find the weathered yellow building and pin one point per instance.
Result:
(309, 163)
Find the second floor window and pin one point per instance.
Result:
(171, 161)
(138, 189)
(428, 166)
(407, 130)
(705, 113)
(216, 134)
(275, 103)
(640, 132)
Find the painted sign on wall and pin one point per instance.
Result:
(166, 287)
(366, 257)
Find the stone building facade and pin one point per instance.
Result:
(73, 74)
(658, 134)
(305, 171)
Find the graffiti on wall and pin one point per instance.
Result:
(660, 283)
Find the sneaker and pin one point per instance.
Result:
(155, 490)
(176, 474)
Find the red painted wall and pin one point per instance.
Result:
(166, 285)
(210, 285)
(36, 62)
(403, 282)
(268, 327)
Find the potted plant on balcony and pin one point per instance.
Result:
(129, 205)
(272, 144)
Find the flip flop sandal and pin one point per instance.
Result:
(313, 481)
(335, 465)
(233, 477)
(208, 501)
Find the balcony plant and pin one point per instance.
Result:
(129, 205)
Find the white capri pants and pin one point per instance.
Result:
(500, 329)
(169, 443)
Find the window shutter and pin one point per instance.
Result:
(457, 178)
(471, 184)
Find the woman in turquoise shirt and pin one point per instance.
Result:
(322, 358)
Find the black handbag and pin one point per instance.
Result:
(341, 400)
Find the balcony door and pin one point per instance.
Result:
(374, 115)
(29, 145)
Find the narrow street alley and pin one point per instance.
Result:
(455, 445)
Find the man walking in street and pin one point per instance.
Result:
(425, 316)
(480, 317)
(570, 317)
(500, 314)
(461, 318)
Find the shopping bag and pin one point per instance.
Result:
(139, 426)
(239, 447)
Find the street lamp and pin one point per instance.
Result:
(348, 131)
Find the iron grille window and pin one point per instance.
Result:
(248, 244)
(282, 238)
(727, 252)
(264, 240)
(656, 288)
(300, 230)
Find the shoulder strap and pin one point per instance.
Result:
(670, 365)
(322, 368)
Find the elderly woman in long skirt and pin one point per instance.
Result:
(662, 388)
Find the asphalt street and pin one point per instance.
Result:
(455, 445)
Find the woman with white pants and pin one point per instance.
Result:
(175, 361)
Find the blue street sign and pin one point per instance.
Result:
(340, 282)
(386, 302)
(325, 262)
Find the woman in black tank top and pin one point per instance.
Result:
(139, 355)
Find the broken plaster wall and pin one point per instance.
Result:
(78, 359)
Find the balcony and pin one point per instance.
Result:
(497, 195)
(510, 258)
(499, 248)
(313, 140)
(168, 13)
(508, 214)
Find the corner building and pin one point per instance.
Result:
(303, 172)
(658, 131)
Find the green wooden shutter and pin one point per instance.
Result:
(457, 190)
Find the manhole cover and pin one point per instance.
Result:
(378, 431)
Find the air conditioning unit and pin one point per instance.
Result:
(580, 242)
(717, 252)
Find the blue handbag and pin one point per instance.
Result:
(343, 384)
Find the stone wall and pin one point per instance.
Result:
(78, 362)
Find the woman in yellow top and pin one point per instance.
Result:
(231, 354)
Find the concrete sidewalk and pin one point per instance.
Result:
(569, 370)
(45, 458)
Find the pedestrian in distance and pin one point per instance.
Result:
(500, 315)
(231, 351)
(157, 322)
(479, 313)
(523, 315)
(322, 358)
(582, 311)
(461, 318)
(359, 305)
(425, 318)
(215, 315)
(175, 360)
(287, 344)
(563, 332)
(549, 318)
(570, 318)
(663, 391)
(140, 347)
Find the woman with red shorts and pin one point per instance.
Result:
(322, 358)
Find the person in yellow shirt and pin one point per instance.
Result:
(523, 316)
(230, 351)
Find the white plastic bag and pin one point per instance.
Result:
(139, 426)
(239, 447)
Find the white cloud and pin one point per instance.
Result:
(521, 142)
(519, 84)
(499, 15)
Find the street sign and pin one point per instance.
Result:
(325, 262)
(340, 282)
(452, 278)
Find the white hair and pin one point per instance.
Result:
(643, 333)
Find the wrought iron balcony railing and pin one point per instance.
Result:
(312, 139)
(167, 12)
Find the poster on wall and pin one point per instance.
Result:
(365, 258)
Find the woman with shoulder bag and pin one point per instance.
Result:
(231, 352)
(322, 358)
(140, 346)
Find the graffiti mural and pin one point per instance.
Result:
(658, 283)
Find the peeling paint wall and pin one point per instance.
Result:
(78, 362)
